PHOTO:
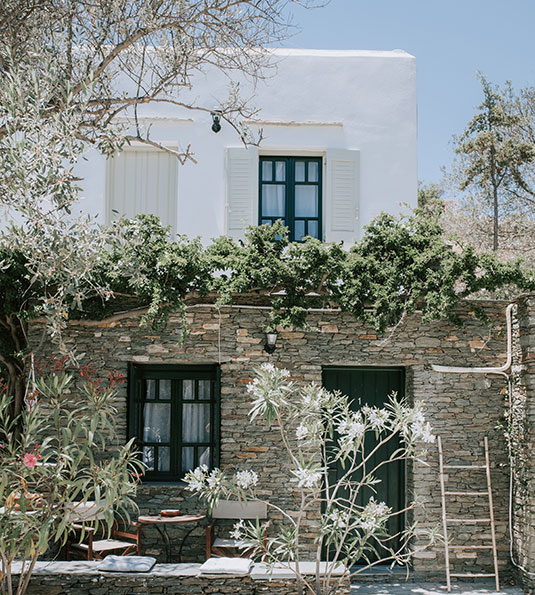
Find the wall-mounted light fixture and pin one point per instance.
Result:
(216, 121)
(271, 340)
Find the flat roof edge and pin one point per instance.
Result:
(341, 53)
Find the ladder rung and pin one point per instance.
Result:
(468, 520)
(470, 547)
(466, 493)
(465, 466)
(471, 574)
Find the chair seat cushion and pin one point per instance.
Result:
(103, 545)
(240, 566)
(222, 543)
(127, 564)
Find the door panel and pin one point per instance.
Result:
(372, 386)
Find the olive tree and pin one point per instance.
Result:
(74, 74)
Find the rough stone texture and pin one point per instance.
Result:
(462, 408)
(83, 578)
(524, 408)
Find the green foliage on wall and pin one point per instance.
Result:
(400, 265)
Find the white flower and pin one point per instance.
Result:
(422, 431)
(267, 367)
(237, 532)
(338, 520)
(214, 480)
(252, 385)
(246, 479)
(351, 429)
(301, 432)
(306, 478)
(374, 515)
(196, 479)
(377, 418)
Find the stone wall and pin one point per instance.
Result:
(523, 388)
(462, 408)
(84, 578)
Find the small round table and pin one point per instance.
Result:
(161, 522)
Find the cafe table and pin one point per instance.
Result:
(162, 522)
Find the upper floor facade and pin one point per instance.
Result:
(339, 146)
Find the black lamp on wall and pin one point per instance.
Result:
(216, 121)
(271, 340)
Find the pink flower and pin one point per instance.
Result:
(30, 460)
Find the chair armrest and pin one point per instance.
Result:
(87, 529)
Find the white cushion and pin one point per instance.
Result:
(239, 566)
(127, 564)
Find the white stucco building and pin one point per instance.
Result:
(339, 146)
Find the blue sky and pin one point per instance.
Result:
(451, 40)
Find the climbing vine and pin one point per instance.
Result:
(399, 266)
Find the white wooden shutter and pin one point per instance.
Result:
(242, 191)
(143, 181)
(342, 196)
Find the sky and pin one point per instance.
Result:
(451, 39)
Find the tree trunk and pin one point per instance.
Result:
(495, 219)
(494, 198)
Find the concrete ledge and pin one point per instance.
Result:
(84, 578)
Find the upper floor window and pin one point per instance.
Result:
(174, 416)
(291, 190)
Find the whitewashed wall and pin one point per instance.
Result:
(318, 102)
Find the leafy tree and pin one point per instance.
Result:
(57, 461)
(111, 58)
(319, 432)
(70, 70)
(493, 159)
(430, 199)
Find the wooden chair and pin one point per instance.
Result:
(81, 542)
(233, 510)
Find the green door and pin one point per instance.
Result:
(372, 386)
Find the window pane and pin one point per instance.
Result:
(273, 203)
(188, 390)
(280, 171)
(313, 229)
(164, 453)
(313, 171)
(196, 422)
(165, 389)
(267, 171)
(299, 171)
(157, 422)
(148, 457)
(299, 230)
(204, 390)
(306, 201)
(150, 389)
(188, 459)
(204, 455)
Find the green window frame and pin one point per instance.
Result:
(290, 189)
(174, 416)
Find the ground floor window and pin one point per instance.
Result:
(174, 417)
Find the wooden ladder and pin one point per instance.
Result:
(446, 520)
